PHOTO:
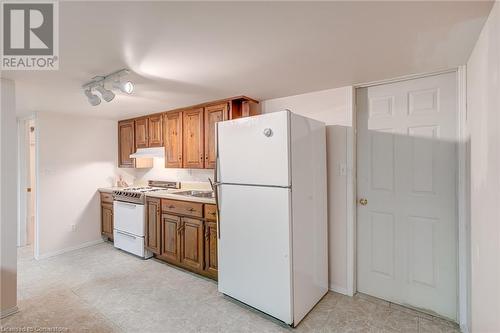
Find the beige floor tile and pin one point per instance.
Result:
(101, 289)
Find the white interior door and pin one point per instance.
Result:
(407, 162)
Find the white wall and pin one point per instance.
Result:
(483, 98)
(159, 172)
(8, 198)
(335, 108)
(77, 155)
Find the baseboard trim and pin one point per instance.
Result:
(339, 289)
(69, 249)
(8, 312)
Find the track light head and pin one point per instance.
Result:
(94, 100)
(106, 94)
(125, 87)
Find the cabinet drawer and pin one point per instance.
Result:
(210, 212)
(182, 207)
(106, 197)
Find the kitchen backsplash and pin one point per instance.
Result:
(159, 172)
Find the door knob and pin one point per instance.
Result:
(363, 201)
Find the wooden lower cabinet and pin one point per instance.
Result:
(191, 234)
(107, 220)
(170, 242)
(153, 225)
(210, 249)
(107, 215)
(188, 234)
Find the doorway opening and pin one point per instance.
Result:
(27, 146)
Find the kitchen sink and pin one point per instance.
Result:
(197, 194)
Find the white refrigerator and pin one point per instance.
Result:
(272, 221)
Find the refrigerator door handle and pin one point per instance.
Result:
(215, 185)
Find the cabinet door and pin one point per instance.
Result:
(141, 133)
(173, 139)
(213, 114)
(126, 144)
(170, 247)
(153, 225)
(107, 219)
(210, 265)
(193, 138)
(155, 131)
(192, 243)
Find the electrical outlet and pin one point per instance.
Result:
(73, 227)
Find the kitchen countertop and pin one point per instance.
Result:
(109, 189)
(166, 194)
(170, 194)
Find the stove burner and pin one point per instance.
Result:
(136, 194)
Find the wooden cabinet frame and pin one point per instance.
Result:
(191, 243)
(153, 225)
(107, 215)
(141, 133)
(172, 136)
(210, 267)
(170, 240)
(126, 143)
(193, 134)
(213, 114)
(155, 131)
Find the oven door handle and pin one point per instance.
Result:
(125, 234)
(126, 204)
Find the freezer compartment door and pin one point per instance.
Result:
(254, 150)
(254, 248)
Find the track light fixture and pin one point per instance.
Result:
(94, 100)
(125, 87)
(106, 94)
(98, 83)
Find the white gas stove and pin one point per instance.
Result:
(130, 216)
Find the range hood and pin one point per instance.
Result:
(149, 153)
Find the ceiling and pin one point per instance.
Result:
(187, 53)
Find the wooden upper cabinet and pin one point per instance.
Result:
(126, 144)
(141, 133)
(153, 225)
(155, 131)
(173, 139)
(213, 114)
(193, 139)
(188, 134)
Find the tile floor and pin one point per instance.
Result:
(101, 289)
